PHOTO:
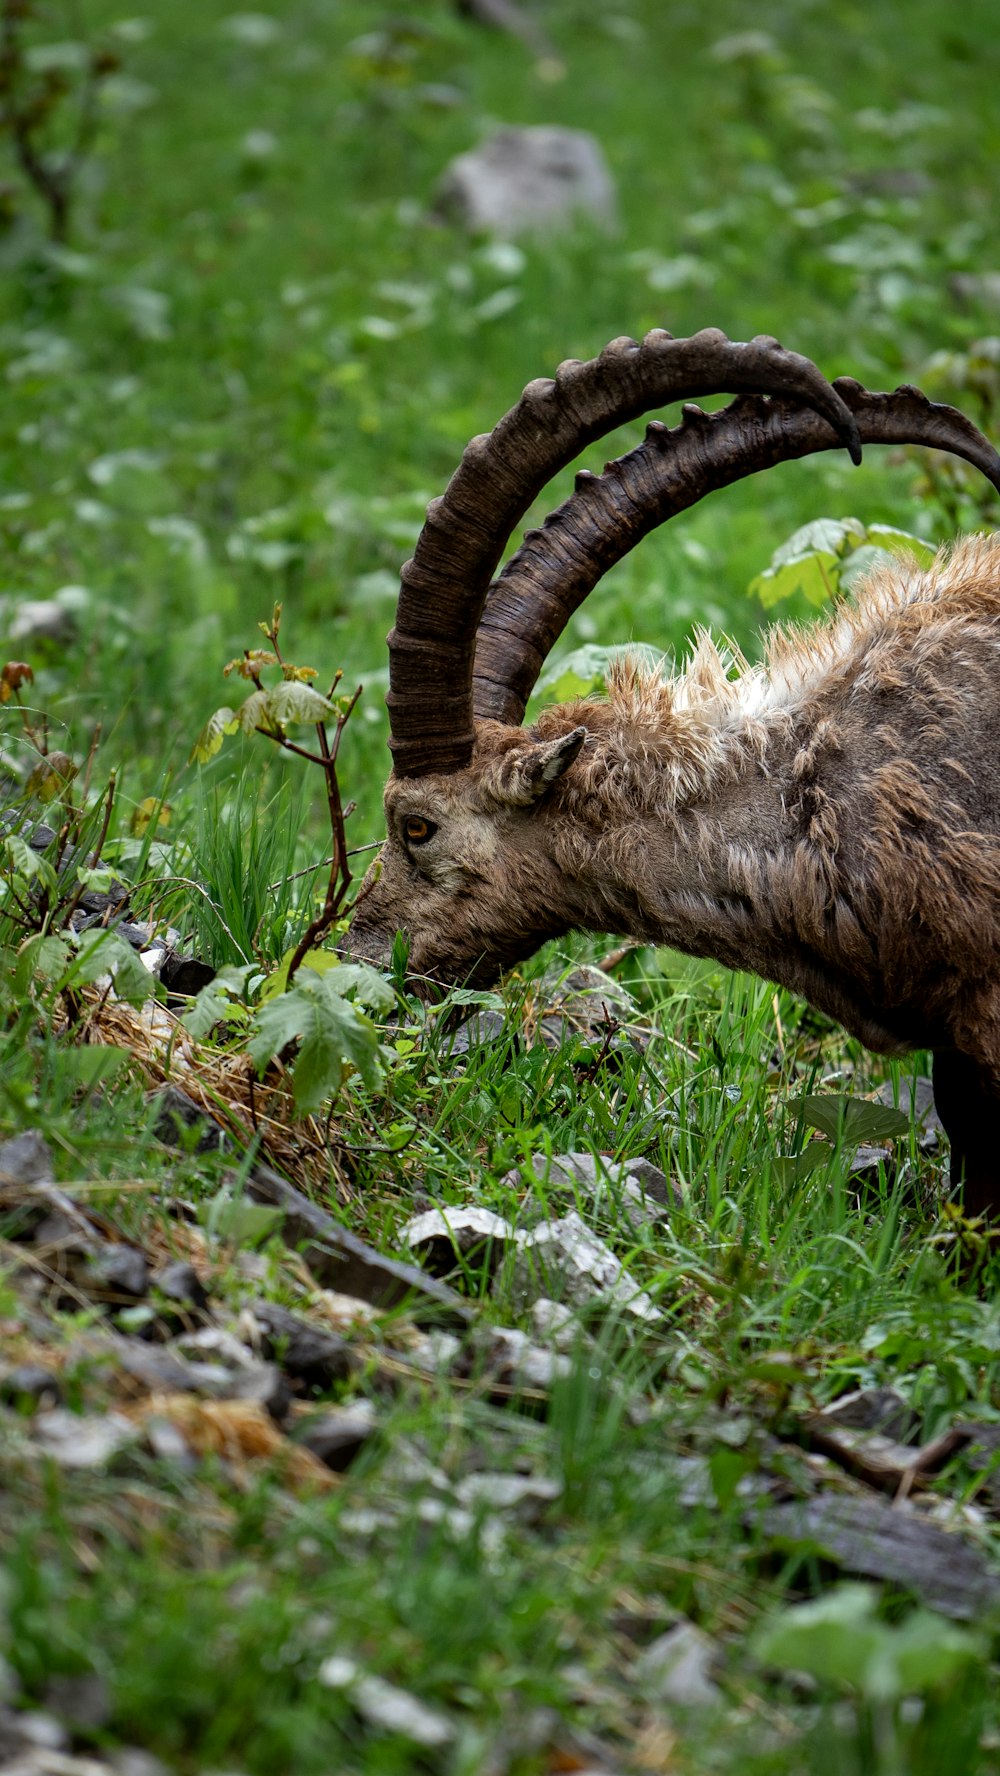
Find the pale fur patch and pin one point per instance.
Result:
(718, 697)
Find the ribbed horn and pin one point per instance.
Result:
(532, 600)
(443, 589)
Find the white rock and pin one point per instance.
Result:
(529, 179)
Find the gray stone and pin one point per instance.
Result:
(337, 1436)
(585, 1270)
(643, 1191)
(446, 1239)
(483, 1026)
(529, 180)
(675, 1668)
(527, 1494)
(27, 1159)
(75, 1441)
(30, 1383)
(510, 1357)
(83, 1701)
(115, 1270)
(386, 1706)
(916, 1096)
(128, 1760)
(309, 1354)
(40, 619)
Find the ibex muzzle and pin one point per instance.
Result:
(829, 819)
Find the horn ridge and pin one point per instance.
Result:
(444, 588)
(551, 574)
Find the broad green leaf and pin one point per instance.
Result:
(368, 986)
(836, 1638)
(727, 1467)
(92, 1065)
(293, 701)
(255, 712)
(224, 721)
(332, 1035)
(823, 536)
(48, 956)
(865, 559)
(98, 878)
(831, 555)
(852, 1119)
(584, 670)
(104, 952)
(814, 575)
(926, 1653)
(28, 863)
(902, 542)
(471, 996)
(575, 674)
(239, 1222)
(790, 1169)
(215, 1001)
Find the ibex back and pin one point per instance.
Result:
(829, 819)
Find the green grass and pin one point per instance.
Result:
(241, 384)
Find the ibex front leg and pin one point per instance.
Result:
(967, 1096)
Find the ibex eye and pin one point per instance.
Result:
(417, 831)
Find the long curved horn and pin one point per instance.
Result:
(444, 587)
(532, 600)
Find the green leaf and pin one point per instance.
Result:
(292, 702)
(224, 721)
(839, 1639)
(240, 1223)
(902, 542)
(92, 1065)
(727, 1467)
(836, 1638)
(332, 1033)
(104, 952)
(823, 536)
(48, 956)
(368, 986)
(809, 561)
(927, 1653)
(253, 713)
(470, 996)
(28, 863)
(814, 575)
(584, 670)
(787, 1170)
(852, 1120)
(215, 1001)
(99, 879)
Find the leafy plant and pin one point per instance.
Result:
(830, 555)
(271, 710)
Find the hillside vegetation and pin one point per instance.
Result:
(237, 364)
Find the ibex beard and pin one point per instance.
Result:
(829, 819)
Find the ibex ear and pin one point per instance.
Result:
(530, 773)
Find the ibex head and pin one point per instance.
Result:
(496, 834)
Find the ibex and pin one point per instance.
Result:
(829, 819)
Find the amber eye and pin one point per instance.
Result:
(418, 831)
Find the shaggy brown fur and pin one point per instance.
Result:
(829, 819)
